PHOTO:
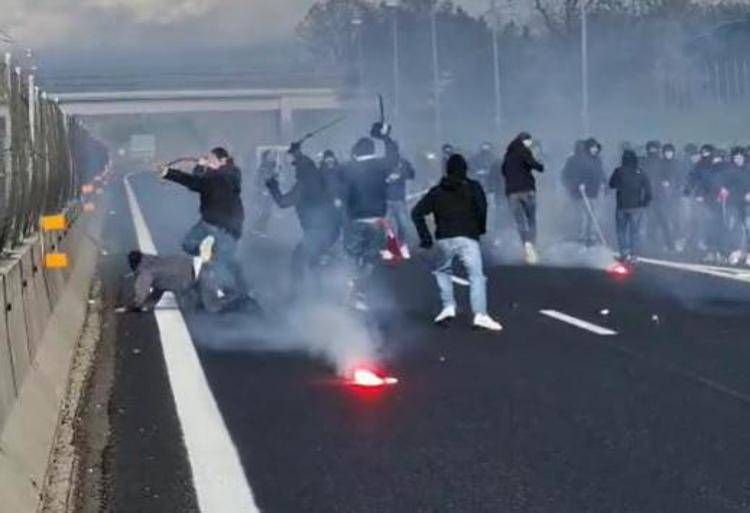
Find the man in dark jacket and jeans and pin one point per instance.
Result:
(364, 190)
(520, 187)
(316, 211)
(459, 207)
(218, 183)
(633, 196)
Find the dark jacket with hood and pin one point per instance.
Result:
(518, 166)
(458, 204)
(220, 201)
(584, 169)
(631, 183)
(310, 196)
(364, 179)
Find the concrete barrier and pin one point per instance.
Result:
(7, 379)
(53, 304)
(16, 318)
(35, 307)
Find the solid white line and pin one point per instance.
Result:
(219, 480)
(728, 273)
(593, 328)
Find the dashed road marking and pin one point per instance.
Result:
(219, 480)
(579, 323)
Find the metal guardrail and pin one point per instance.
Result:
(43, 158)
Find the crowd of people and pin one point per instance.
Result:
(696, 204)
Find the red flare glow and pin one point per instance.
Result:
(366, 378)
(618, 269)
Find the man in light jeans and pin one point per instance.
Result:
(459, 207)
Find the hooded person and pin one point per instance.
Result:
(520, 188)
(365, 200)
(658, 218)
(633, 196)
(459, 208)
(583, 177)
(222, 214)
(706, 185)
(738, 201)
(318, 216)
(331, 169)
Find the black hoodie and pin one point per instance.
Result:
(310, 196)
(457, 203)
(220, 201)
(632, 184)
(518, 166)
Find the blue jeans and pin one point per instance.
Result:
(224, 250)
(398, 217)
(225, 246)
(628, 222)
(468, 252)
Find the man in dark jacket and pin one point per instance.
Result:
(365, 199)
(583, 177)
(659, 217)
(520, 187)
(738, 206)
(633, 196)
(481, 165)
(459, 207)
(221, 209)
(317, 214)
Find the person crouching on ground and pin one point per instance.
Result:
(459, 207)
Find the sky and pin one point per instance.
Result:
(50, 23)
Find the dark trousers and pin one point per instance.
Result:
(660, 223)
(309, 253)
(628, 223)
(523, 208)
(363, 242)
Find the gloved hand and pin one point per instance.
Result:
(426, 244)
(295, 147)
(380, 130)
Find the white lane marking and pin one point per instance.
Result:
(219, 480)
(719, 272)
(461, 281)
(593, 328)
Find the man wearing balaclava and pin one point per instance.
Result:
(520, 187)
(658, 219)
(738, 185)
(583, 177)
(633, 197)
(459, 207)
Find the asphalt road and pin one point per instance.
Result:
(543, 417)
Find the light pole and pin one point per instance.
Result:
(357, 24)
(585, 119)
(496, 69)
(436, 76)
(394, 5)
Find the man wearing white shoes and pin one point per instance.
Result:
(459, 207)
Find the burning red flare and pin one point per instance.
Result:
(619, 269)
(362, 377)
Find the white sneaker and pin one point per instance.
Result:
(206, 249)
(531, 256)
(485, 322)
(405, 253)
(735, 258)
(449, 312)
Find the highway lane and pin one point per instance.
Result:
(542, 417)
